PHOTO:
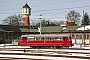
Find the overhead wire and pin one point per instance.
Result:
(62, 8)
(41, 5)
(56, 3)
(49, 9)
(53, 9)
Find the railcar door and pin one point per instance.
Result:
(23, 41)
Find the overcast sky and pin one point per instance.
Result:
(51, 9)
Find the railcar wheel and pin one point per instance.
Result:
(54, 47)
(67, 47)
(61, 46)
(33, 47)
(57, 47)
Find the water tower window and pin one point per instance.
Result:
(23, 10)
(26, 10)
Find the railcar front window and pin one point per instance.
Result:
(24, 38)
(31, 38)
(66, 38)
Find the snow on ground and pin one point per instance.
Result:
(50, 53)
(40, 57)
(45, 57)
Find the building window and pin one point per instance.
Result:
(79, 36)
(8, 38)
(1, 38)
(72, 36)
(86, 36)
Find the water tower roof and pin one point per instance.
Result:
(26, 6)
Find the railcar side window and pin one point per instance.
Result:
(57, 38)
(47, 38)
(53, 38)
(42, 38)
(61, 38)
(38, 38)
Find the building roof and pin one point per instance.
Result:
(15, 28)
(18, 28)
(47, 29)
(1, 29)
(82, 28)
(26, 6)
(9, 28)
(69, 28)
(52, 29)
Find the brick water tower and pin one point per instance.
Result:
(26, 12)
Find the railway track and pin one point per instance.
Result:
(45, 52)
(12, 58)
(46, 48)
(49, 55)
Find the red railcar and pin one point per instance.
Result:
(46, 40)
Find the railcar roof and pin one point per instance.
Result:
(46, 35)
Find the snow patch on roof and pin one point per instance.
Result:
(86, 28)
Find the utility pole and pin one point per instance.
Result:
(40, 23)
(65, 18)
(84, 27)
(65, 15)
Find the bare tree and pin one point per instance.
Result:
(50, 23)
(61, 23)
(15, 20)
(73, 16)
